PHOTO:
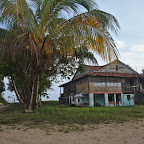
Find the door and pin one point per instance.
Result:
(118, 99)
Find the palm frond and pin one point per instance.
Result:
(107, 20)
(45, 31)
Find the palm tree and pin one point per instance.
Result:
(41, 37)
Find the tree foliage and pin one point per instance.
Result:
(2, 86)
(41, 42)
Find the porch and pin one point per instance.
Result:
(108, 99)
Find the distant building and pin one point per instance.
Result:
(114, 84)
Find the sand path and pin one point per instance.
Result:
(127, 133)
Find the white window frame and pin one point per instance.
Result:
(107, 84)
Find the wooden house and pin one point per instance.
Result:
(114, 84)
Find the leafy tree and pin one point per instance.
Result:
(2, 86)
(41, 41)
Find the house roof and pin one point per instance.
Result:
(104, 74)
(92, 68)
(88, 69)
(115, 74)
(96, 71)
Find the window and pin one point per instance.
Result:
(117, 67)
(95, 84)
(112, 84)
(119, 84)
(108, 84)
(99, 84)
(128, 97)
(115, 84)
(103, 84)
(131, 82)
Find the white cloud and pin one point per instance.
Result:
(133, 59)
(121, 44)
(138, 48)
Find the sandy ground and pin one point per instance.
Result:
(127, 133)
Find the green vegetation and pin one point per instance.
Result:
(55, 114)
(2, 100)
(2, 89)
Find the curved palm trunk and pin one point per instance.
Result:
(35, 92)
(25, 95)
(34, 95)
(31, 100)
(17, 94)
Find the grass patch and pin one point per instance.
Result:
(74, 117)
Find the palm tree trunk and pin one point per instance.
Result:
(17, 95)
(25, 95)
(34, 95)
(31, 100)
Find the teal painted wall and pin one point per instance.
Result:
(121, 104)
(124, 100)
(99, 98)
(115, 99)
(103, 99)
(127, 102)
(91, 99)
(85, 99)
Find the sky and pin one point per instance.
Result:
(130, 39)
